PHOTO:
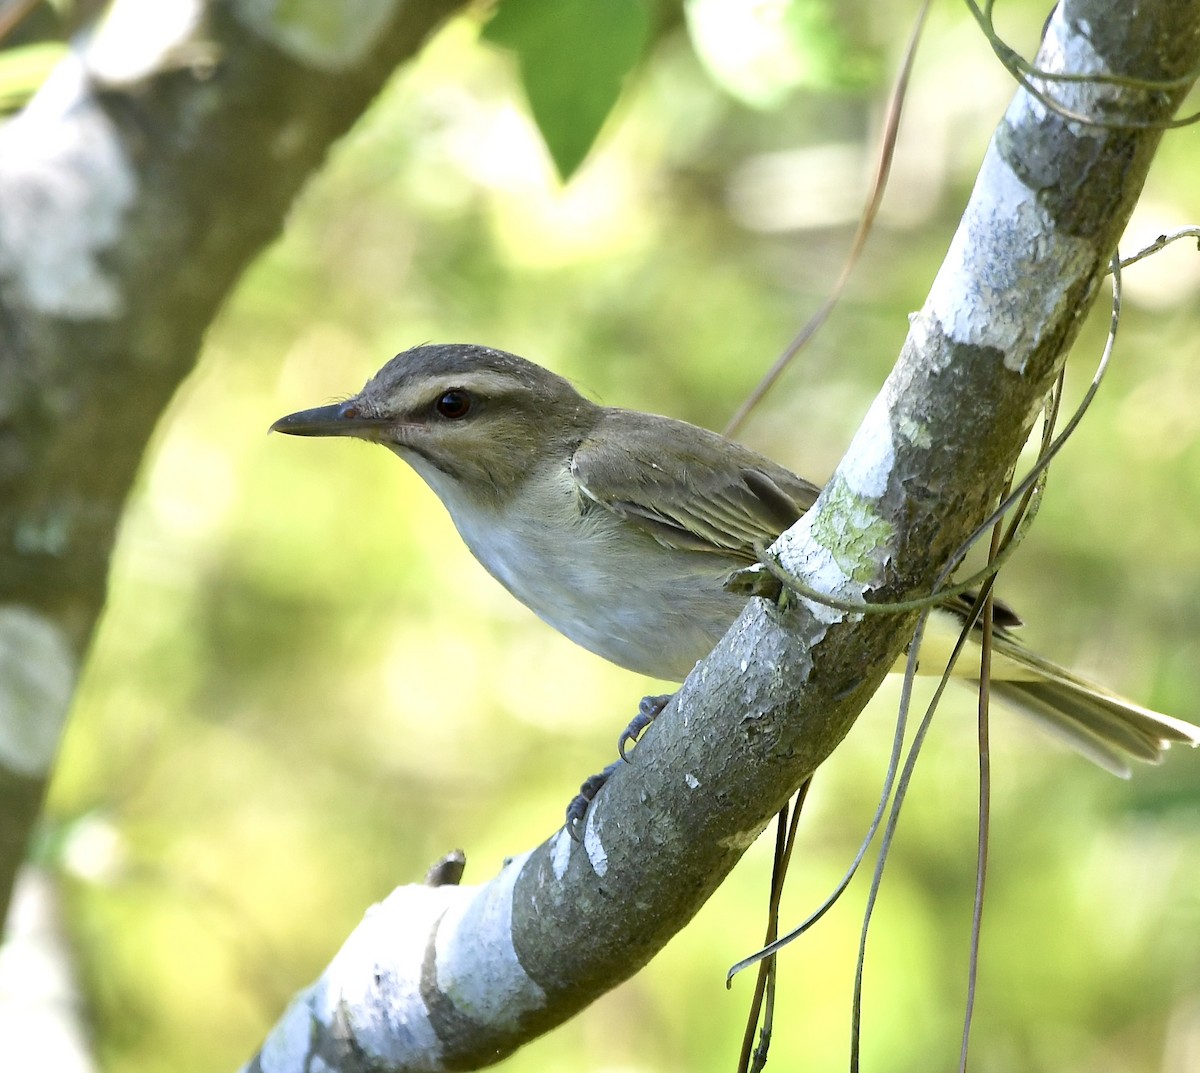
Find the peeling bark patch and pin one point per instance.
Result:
(37, 675)
(743, 840)
(136, 38)
(1067, 48)
(560, 854)
(869, 467)
(61, 205)
(819, 568)
(331, 37)
(985, 302)
(492, 988)
(370, 998)
(594, 847)
(287, 1047)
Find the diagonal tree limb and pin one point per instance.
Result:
(457, 978)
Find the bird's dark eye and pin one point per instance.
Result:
(453, 404)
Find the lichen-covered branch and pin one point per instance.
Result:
(156, 162)
(456, 978)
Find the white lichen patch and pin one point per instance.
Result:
(872, 456)
(477, 964)
(374, 982)
(1008, 265)
(830, 545)
(980, 296)
(742, 840)
(914, 432)
(332, 37)
(560, 853)
(820, 570)
(65, 186)
(287, 1047)
(135, 38)
(594, 847)
(38, 669)
(1068, 47)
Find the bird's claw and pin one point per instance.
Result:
(577, 810)
(649, 709)
(756, 580)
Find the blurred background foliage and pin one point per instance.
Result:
(304, 690)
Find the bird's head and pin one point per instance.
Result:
(478, 418)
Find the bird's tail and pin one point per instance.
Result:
(1109, 730)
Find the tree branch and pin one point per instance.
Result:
(134, 190)
(456, 978)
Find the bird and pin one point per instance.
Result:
(623, 531)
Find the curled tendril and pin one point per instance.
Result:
(1027, 75)
(1023, 498)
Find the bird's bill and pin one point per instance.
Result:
(338, 419)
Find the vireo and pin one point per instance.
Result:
(620, 529)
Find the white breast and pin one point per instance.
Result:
(603, 583)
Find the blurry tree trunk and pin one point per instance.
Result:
(42, 1011)
(454, 977)
(154, 165)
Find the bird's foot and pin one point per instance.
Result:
(649, 709)
(581, 802)
(756, 580)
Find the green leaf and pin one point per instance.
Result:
(574, 58)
